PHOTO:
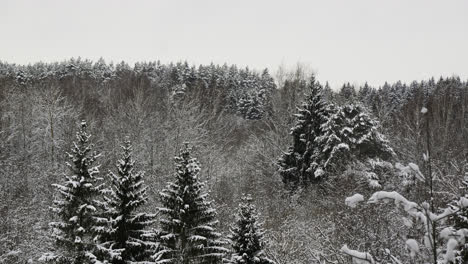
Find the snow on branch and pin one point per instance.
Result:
(353, 200)
(358, 257)
(420, 212)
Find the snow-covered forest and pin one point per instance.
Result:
(176, 163)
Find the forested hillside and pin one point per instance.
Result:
(256, 150)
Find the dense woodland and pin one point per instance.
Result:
(173, 163)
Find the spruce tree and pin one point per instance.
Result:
(349, 134)
(247, 236)
(188, 233)
(328, 93)
(332, 143)
(363, 93)
(126, 237)
(327, 138)
(296, 166)
(267, 89)
(77, 206)
(347, 92)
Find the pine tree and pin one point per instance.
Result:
(296, 165)
(349, 134)
(251, 105)
(126, 237)
(267, 88)
(255, 102)
(188, 233)
(363, 93)
(77, 206)
(328, 94)
(333, 146)
(366, 140)
(347, 92)
(247, 236)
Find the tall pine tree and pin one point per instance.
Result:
(126, 237)
(77, 206)
(296, 166)
(188, 233)
(247, 236)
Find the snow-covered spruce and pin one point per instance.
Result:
(256, 103)
(349, 134)
(247, 236)
(188, 233)
(125, 236)
(77, 206)
(296, 165)
(327, 138)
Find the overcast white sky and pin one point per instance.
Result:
(342, 40)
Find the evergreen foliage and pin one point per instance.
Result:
(77, 206)
(349, 134)
(126, 237)
(296, 166)
(256, 104)
(247, 236)
(251, 106)
(347, 92)
(326, 138)
(364, 93)
(188, 233)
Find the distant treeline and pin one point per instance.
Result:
(222, 88)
